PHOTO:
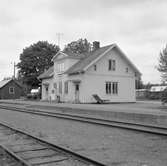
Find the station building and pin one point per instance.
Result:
(105, 71)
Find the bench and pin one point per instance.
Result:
(99, 100)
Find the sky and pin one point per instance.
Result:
(138, 27)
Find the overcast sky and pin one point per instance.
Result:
(139, 27)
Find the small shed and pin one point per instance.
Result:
(10, 89)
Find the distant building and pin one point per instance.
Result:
(155, 92)
(10, 89)
(105, 71)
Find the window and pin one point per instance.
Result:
(108, 87)
(111, 87)
(127, 70)
(60, 67)
(60, 87)
(11, 90)
(111, 65)
(95, 67)
(115, 87)
(55, 85)
(66, 87)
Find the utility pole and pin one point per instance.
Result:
(14, 70)
(58, 38)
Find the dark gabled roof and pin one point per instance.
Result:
(4, 82)
(90, 57)
(73, 55)
(47, 74)
(86, 60)
(82, 65)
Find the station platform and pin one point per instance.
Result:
(145, 112)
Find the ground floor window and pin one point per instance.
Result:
(115, 87)
(66, 87)
(60, 87)
(108, 87)
(55, 85)
(111, 87)
(11, 90)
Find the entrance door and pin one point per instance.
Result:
(77, 93)
(46, 93)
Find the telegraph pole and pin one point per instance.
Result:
(59, 37)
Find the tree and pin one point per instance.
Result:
(34, 60)
(162, 67)
(139, 84)
(79, 46)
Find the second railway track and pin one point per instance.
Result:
(160, 130)
(19, 148)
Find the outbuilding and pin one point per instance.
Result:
(10, 89)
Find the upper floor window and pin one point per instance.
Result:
(127, 69)
(135, 74)
(111, 65)
(11, 90)
(95, 67)
(60, 67)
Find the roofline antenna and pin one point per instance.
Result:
(58, 38)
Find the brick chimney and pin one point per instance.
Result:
(96, 45)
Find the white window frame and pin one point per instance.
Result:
(115, 88)
(13, 91)
(111, 64)
(111, 88)
(60, 67)
(108, 87)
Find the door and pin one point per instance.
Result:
(46, 93)
(77, 93)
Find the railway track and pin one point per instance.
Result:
(7, 158)
(148, 128)
(18, 148)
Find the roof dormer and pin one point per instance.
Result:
(67, 55)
